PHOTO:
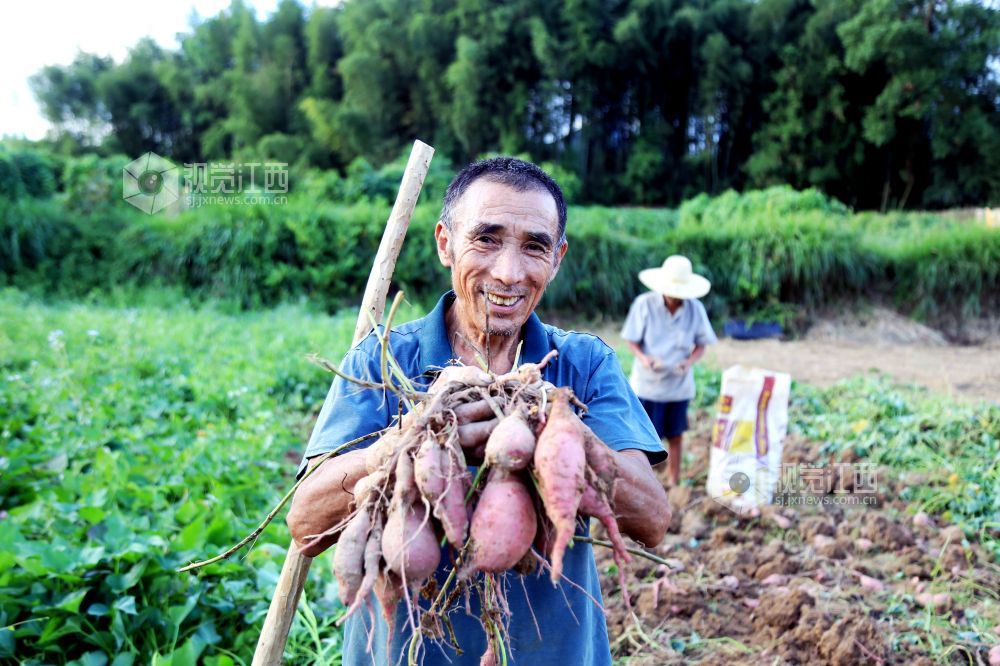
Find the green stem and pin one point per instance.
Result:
(635, 551)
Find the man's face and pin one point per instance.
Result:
(504, 244)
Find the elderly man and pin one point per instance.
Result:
(502, 235)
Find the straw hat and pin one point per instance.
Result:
(675, 279)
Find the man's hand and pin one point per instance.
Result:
(476, 420)
(651, 362)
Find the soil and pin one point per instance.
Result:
(833, 585)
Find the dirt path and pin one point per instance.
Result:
(961, 372)
(841, 346)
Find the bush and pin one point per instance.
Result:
(26, 172)
(763, 251)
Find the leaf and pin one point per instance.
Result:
(92, 514)
(93, 659)
(179, 613)
(98, 610)
(124, 659)
(126, 605)
(191, 537)
(71, 602)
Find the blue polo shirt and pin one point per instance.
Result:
(548, 624)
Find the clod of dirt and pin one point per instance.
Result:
(816, 525)
(679, 497)
(851, 640)
(885, 533)
(693, 525)
(780, 609)
(828, 547)
(773, 559)
(736, 559)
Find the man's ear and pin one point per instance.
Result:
(442, 237)
(560, 253)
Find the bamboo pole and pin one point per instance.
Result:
(274, 634)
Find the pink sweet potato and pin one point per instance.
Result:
(348, 557)
(373, 553)
(408, 543)
(405, 487)
(365, 485)
(594, 504)
(382, 449)
(511, 445)
(450, 508)
(560, 464)
(503, 523)
(428, 469)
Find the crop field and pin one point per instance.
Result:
(139, 438)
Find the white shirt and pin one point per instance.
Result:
(670, 339)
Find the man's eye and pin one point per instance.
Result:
(536, 247)
(488, 240)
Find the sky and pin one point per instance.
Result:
(35, 33)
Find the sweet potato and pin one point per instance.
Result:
(348, 557)
(511, 445)
(405, 487)
(408, 543)
(599, 458)
(463, 375)
(365, 485)
(382, 449)
(560, 464)
(594, 504)
(373, 553)
(489, 657)
(450, 508)
(428, 469)
(503, 523)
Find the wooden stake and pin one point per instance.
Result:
(281, 613)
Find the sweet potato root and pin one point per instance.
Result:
(511, 445)
(348, 557)
(503, 523)
(408, 543)
(560, 464)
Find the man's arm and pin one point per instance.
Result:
(645, 359)
(325, 499)
(640, 502)
(696, 354)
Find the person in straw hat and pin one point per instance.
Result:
(667, 329)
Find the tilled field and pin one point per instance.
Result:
(856, 585)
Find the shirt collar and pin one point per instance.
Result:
(436, 349)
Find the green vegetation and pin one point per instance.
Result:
(136, 440)
(883, 104)
(767, 252)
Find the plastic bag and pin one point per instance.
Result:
(750, 425)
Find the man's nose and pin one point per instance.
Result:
(508, 267)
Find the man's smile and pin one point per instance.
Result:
(498, 299)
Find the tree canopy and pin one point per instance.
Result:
(881, 103)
